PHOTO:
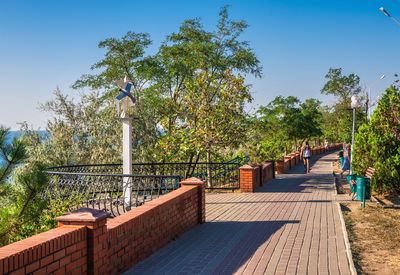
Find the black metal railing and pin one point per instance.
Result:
(114, 193)
(218, 175)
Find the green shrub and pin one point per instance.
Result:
(378, 143)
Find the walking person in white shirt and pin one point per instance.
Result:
(306, 155)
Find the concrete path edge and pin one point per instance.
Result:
(346, 237)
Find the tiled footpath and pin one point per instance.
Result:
(289, 226)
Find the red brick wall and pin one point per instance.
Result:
(298, 157)
(86, 242)
(280, 167)
(138, 233)
(58, 251)
(293, 160)
(249, 178)
(252, 177)
(267, 172)
(286, 164)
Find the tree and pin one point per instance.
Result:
(20, 189)
(11, 155)
(80, 132)
(199, 79)
(126, 57)
(192, 65)
(284, 124)
(311, 111)
(341, 86)
(338, 118)
(377, 143)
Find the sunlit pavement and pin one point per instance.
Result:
(291, 225)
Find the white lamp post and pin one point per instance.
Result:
(355, 102)
(386, 13)
(126, 99)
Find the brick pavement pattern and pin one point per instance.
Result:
(291, 225)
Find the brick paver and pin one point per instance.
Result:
(289, 226)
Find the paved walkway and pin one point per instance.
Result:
(290, 226)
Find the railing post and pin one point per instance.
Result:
(97, 239)
(201, 196)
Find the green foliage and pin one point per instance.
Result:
(378, 143)
(11, 155)
(21, 185)
(341, 86)
(124, 57)
(337, 119)
(283, 125)
(86, 131)
(202, 97)
(191, 93)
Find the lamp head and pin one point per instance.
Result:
(385, 12)
(355, 102)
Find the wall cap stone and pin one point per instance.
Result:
(246, 166)
(84, 215)
(192, 181)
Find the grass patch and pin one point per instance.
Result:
(374, 235)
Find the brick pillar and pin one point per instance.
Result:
(297, 157)
(280, 166)
(293, 160)
(202, 196)
(95, 221)
(246, 178)
(288, 159)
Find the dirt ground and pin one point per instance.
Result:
(374, 234)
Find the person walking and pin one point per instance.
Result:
(306, 155)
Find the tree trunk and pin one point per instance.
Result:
(189, 171)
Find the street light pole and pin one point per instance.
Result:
(352, 140)
(128, 100)
(127, 161)
(354, 104)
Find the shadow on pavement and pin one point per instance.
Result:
(262, 202)
(212, 248)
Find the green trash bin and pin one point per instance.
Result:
(361, 182)
(349, 179)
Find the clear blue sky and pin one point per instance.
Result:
(45, 44)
